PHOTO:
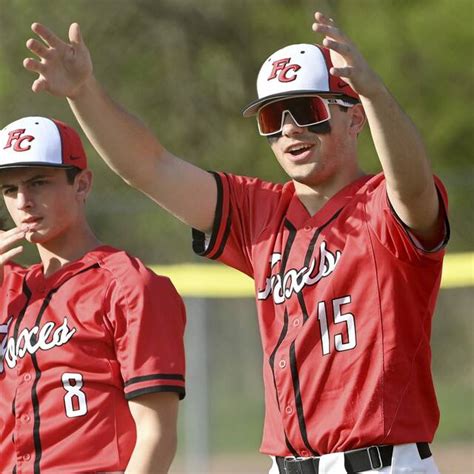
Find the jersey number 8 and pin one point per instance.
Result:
(75, 401)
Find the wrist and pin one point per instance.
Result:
(86, 88)
(375, 89)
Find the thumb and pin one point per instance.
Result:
(39, 85)
(75, 36)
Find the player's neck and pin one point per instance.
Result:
(315, 196)
(71, 246)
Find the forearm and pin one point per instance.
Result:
(121, 139)
(408, 174)
(131, 150)
(153, 453)
(398, 144)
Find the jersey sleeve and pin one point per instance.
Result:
(148, 320)
(244, 208)
(392, 233)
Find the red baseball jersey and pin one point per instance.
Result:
(76, 347)
(345, 300)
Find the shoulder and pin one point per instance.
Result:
(251, 183)
(372, 183)
(11, 267)
(126, 268)
(129, 276)
(375, 187)
(13, 272)
(253, 190)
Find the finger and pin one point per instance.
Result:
(5, 257)
(37, 47)
(8, 241)
(33, 65)
(75, 35)
(342, 48)
(330, 31)
(13, 231)
(39, 85)
(322, 18)
(345, 72)
(47, 35)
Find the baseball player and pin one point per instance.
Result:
(92, 364)
(346, 265)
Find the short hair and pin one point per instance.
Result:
(71, 174)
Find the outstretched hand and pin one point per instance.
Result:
(8, 240)
(348, 62)
(62, 67)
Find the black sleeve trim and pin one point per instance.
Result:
(224, 239)
(199, 238)
(159, 388)
(145, 378)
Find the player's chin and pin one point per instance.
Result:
(304, 172)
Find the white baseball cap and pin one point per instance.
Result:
(40, 141)
(298, 69)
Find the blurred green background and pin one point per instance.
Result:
(187, 68)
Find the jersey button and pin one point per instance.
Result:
(296, 323)
(27, 377)
(282, 364)
(307, 228)
(26, 418)
(26, 457)
(304, 453)
(289, 410)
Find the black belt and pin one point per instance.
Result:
(367, 459)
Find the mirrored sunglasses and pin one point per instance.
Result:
(305, 111)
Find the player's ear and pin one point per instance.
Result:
(358, 119)
(83, 184)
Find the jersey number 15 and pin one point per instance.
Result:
(339, 318)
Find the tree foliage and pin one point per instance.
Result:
(187, 68)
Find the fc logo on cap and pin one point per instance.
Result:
(16, 139)
(281, 70)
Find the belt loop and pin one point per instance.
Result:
(374, 455)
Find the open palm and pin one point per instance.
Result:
(62, 67)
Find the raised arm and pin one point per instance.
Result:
(126, 144)
(408, 174)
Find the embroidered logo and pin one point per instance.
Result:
(281, 70)
(16, 139)
(282, 287)
(36, 339)
(3, 340)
